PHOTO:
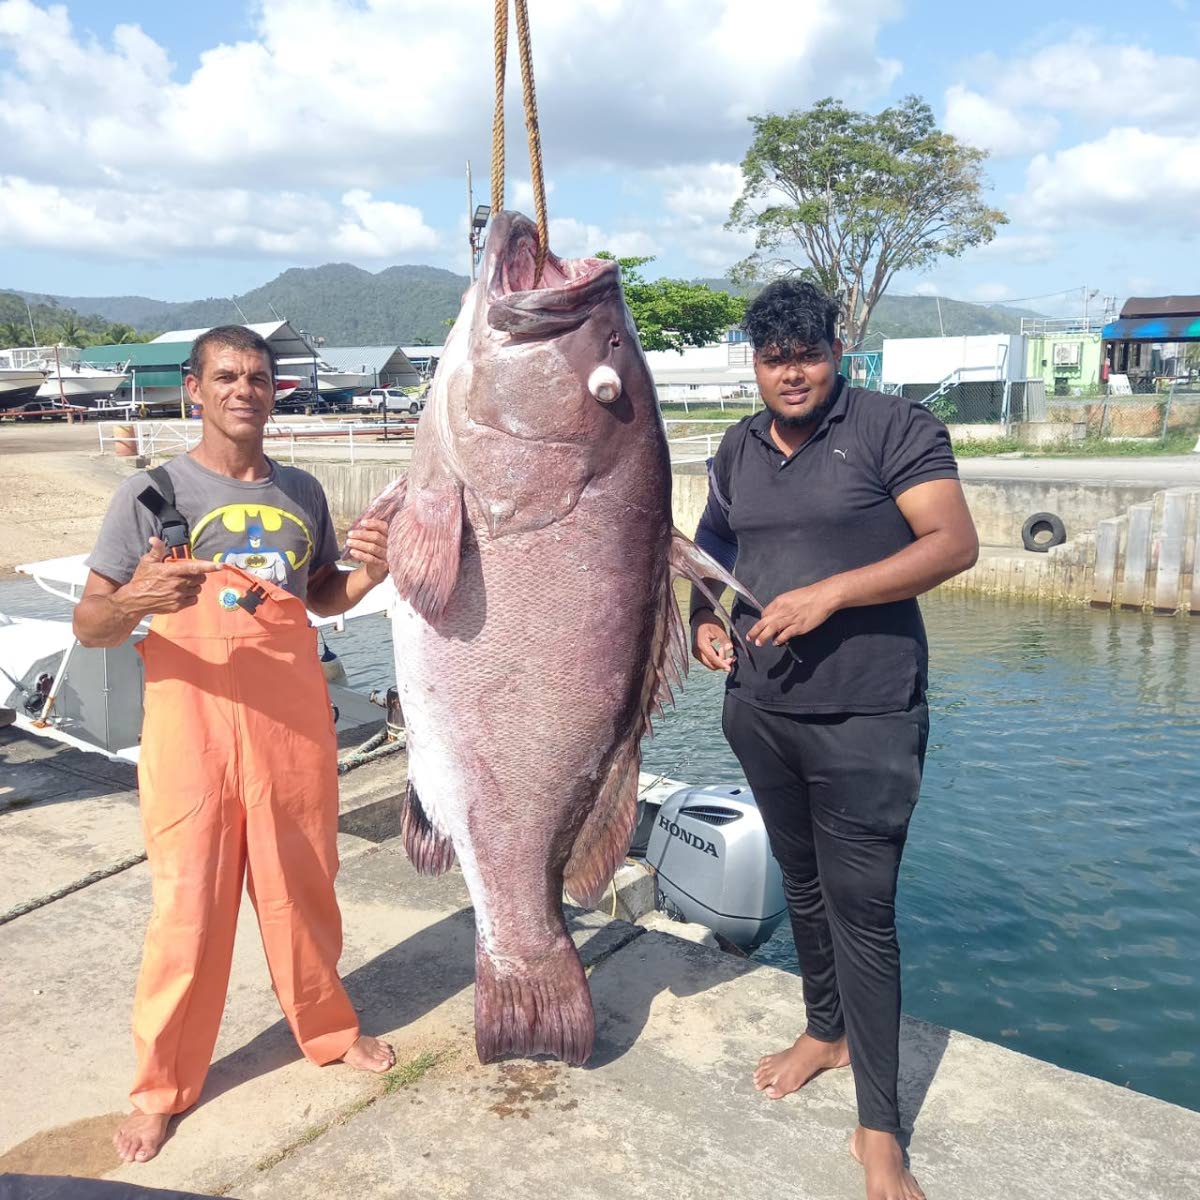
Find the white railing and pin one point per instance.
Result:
(1035, 326)
(694, 447)
(165, 439)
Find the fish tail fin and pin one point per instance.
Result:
(525, 1007)
(429, 850)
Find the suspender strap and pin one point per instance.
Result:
(161, 503)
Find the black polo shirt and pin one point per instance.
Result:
(828, 508)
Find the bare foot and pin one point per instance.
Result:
(883, 1161)
(779, 1075)
(141, 1136)
(370, 1054)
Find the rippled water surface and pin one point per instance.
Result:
(1050, 895)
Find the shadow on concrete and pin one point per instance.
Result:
(390, 992)
(38, 771)
(69, 1187)
(403, 984)
(625, 989)
(922, 1047)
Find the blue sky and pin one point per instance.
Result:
(180, 151)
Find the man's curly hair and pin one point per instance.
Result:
(789, 314)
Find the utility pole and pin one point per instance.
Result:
(470, 215)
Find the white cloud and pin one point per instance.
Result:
(990, 293)
(571, 238)
(521, 195)
(1140, 180)
(1025, 249)
(1004, 132)
(314, 98)
(701, 193)
(1105, 83)
(113, 223)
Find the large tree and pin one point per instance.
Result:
(849, 199)
(671, 314)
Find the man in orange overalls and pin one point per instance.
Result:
(224, 549)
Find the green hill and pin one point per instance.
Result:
(348, 306)
(917, 316)
(345, 305)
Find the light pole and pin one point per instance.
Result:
(477, 219)
(478, 223)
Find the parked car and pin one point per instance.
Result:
(393, 400)
(44, 410)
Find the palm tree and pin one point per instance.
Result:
(12, 333)
(121, 335)
(70, 332)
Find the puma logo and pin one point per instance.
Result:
(842, 453)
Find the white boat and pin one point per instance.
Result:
(91, 698)
(19, 380)
(71, 379)
(285, 385)
(329, 381)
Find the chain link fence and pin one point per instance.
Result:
(968, 402)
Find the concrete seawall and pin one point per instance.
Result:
(999, 506)
(1129, 544)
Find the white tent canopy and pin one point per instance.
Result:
(286, 341)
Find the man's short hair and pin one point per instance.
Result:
(232, 337)
(788, 314)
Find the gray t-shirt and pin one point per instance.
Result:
(277, 528)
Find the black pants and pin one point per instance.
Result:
(836, 793)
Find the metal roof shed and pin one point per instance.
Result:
(1146, 322)
(389, 364)
(158, 363)
(286, 341)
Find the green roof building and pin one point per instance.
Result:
(156, 370)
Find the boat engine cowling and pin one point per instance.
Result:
(713, 863)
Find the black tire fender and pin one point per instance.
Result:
(1039, 524)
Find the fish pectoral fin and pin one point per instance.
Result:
(429, 850)
(604, 839)
(424, 544)
(384, 507)
(689, 562)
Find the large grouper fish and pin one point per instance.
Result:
(532, 549)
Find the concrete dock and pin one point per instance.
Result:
(665, 1108)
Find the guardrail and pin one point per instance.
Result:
(694, 447)
(164, 439)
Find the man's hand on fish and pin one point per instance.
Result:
(711, 644)
(367, 544)
(794, 613)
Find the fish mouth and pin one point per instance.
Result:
(564, 297)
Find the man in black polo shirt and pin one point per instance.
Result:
(836, 506)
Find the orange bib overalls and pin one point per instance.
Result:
(238, 775)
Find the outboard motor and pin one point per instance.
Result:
(709, 848)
